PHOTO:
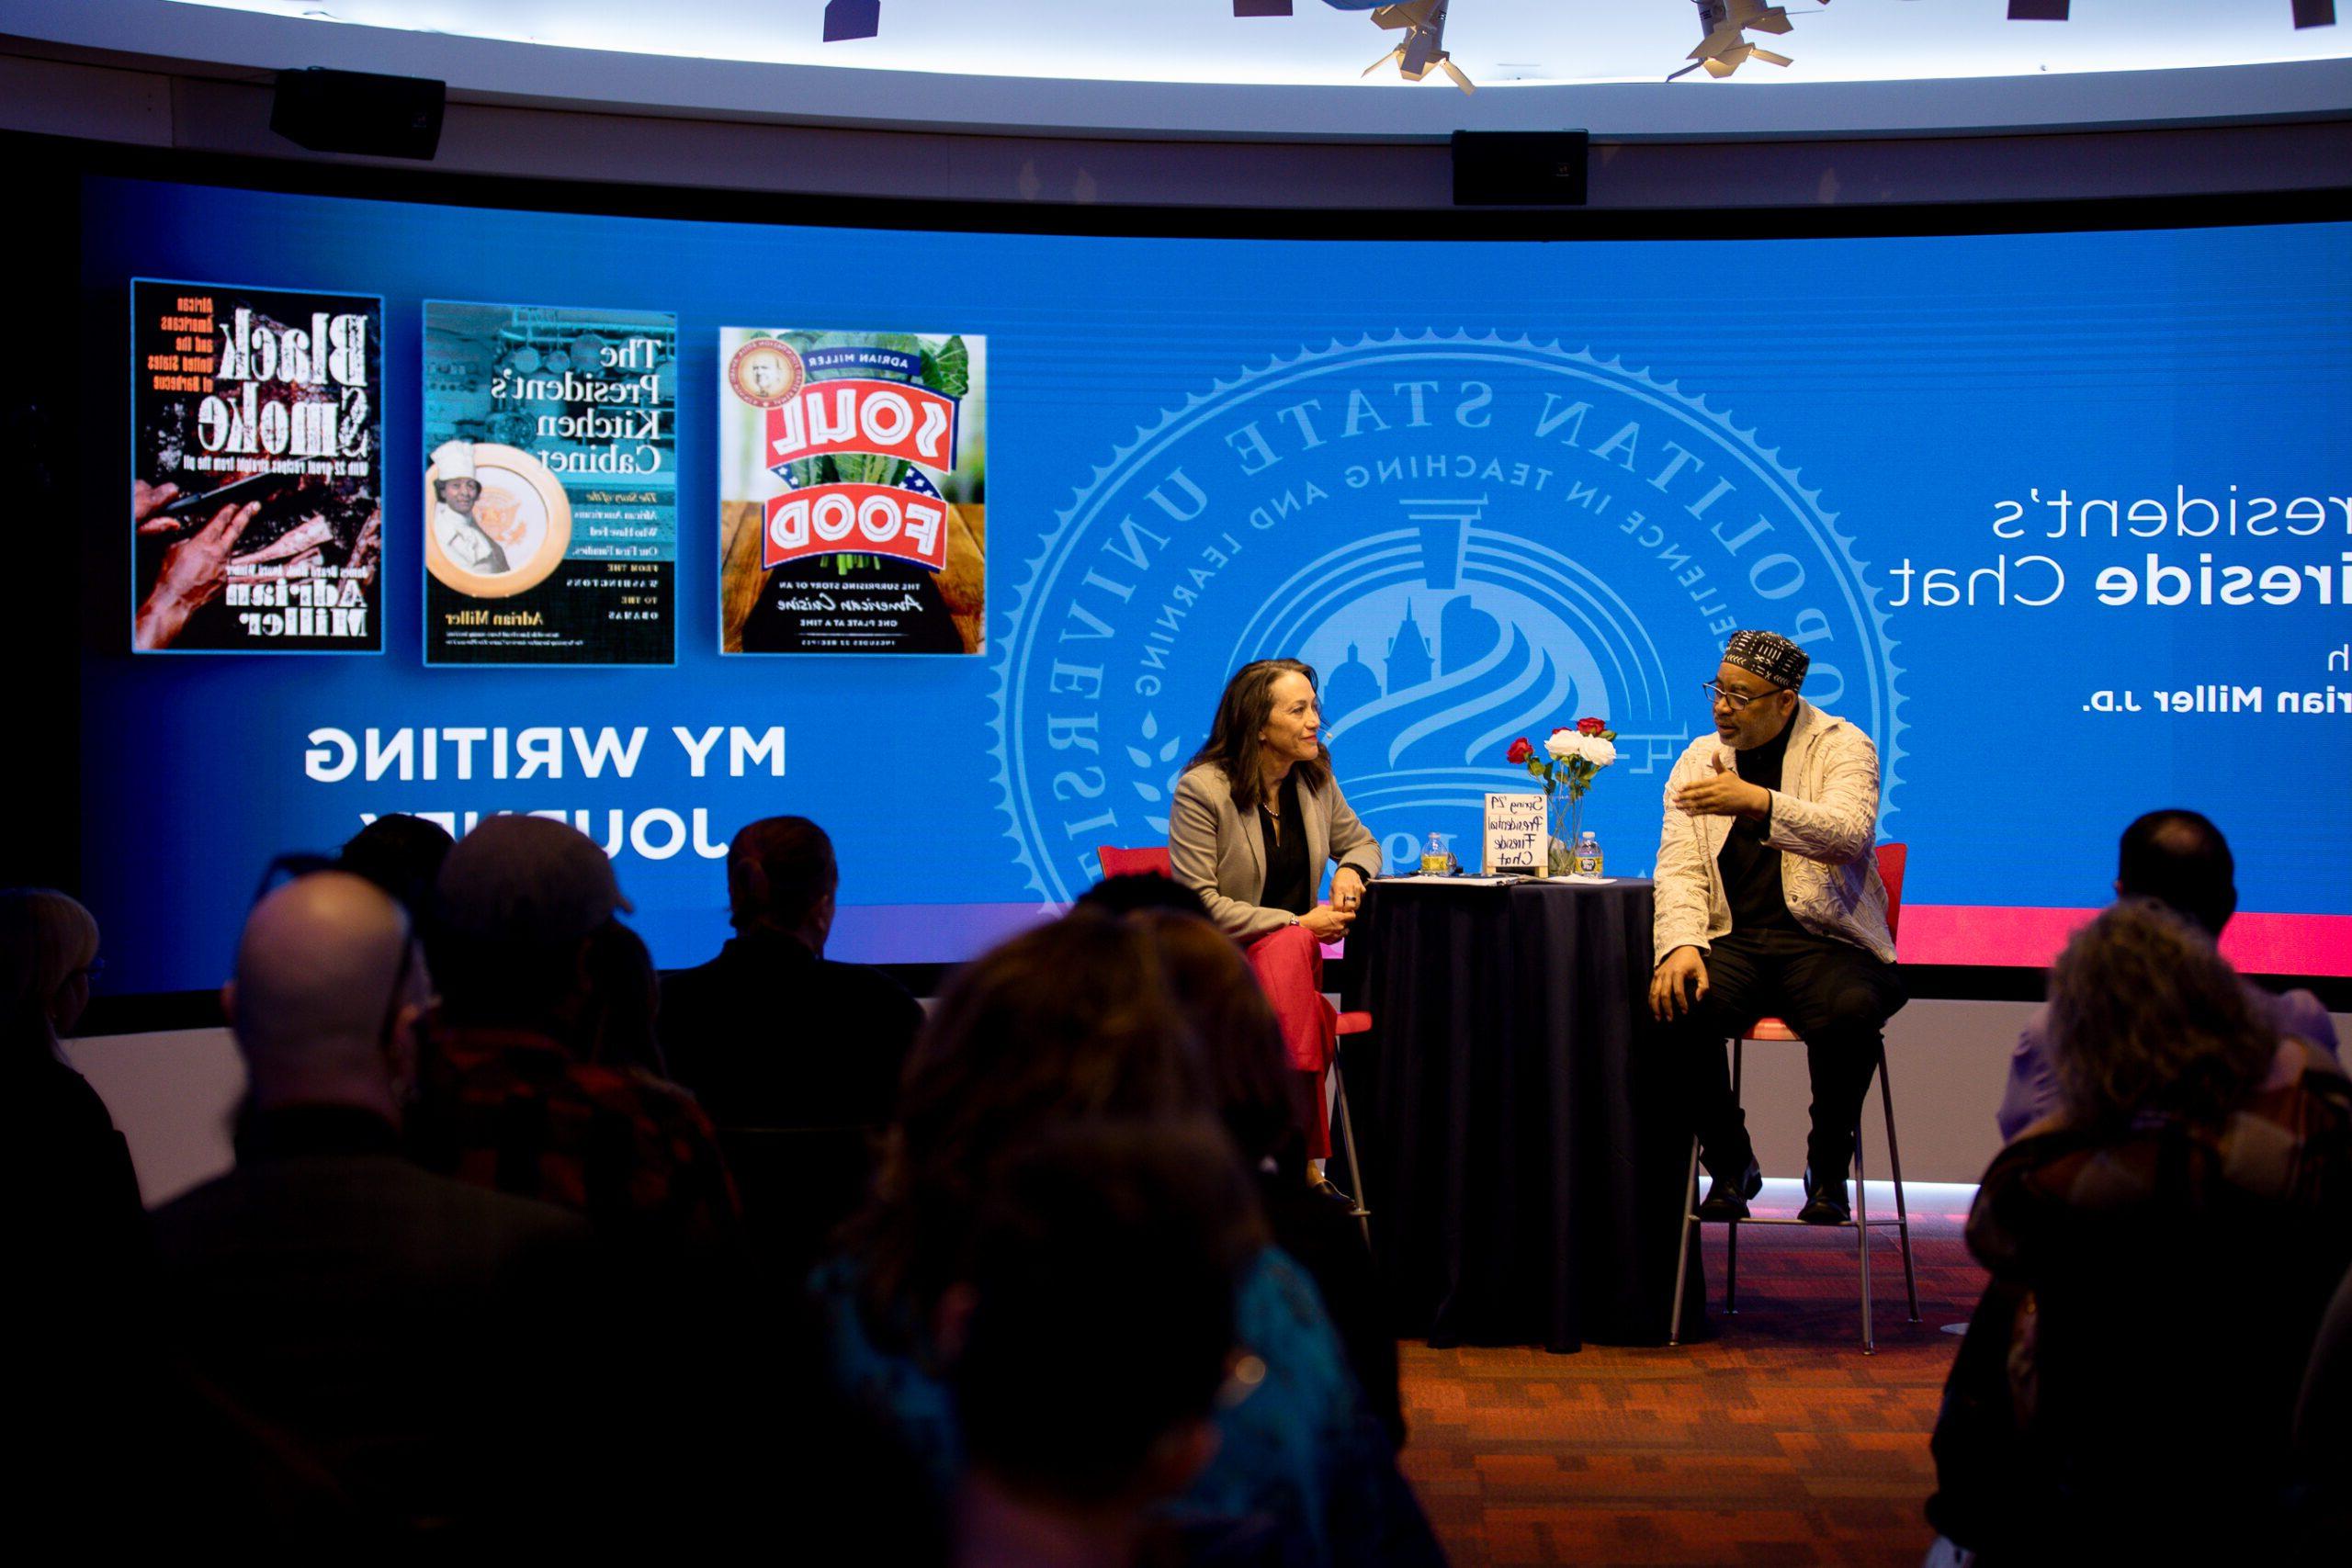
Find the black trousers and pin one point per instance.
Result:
(1838, 996)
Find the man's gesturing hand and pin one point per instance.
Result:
(1722, 794)
(1678, 983)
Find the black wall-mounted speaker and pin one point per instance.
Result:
(847, 19)
(1520, 168)
(351, 111)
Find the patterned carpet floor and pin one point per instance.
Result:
(1775, 1442)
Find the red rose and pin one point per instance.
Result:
(1519, 751)
(1559, 729)
(1589, 726)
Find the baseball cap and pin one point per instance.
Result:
(526, 879)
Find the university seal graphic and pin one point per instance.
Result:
(1470, 538)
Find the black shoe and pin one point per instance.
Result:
(1330, 1191)
(1824, 1204)
(1728, 1198)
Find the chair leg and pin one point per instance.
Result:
(1894, 1163)
(1347, 1141)
(1731, 1228)
(1862, 1239)
(1682, 1253)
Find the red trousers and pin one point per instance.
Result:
(1289, 966)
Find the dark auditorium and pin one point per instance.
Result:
(1058, 785)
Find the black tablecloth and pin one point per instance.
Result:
(1522, 1155)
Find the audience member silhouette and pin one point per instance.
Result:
(2161, 1250)
(622, 1029)
(376, 1351)
(1106, 1237)
(772, 1033)
(1255, 1094)
(2180, 859)
(1071, 1023)
(75, 1218)
(795, 1056)
(507, 1095)
(77, 1236)
(1132, 892)
(403, 855)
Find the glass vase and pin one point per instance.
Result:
(1567, 812)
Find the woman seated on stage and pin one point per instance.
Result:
(2161, 1249)
(1257, 815)
(1077, 1024)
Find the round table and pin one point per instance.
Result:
(1523, 1156)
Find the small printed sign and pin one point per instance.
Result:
(1514, 839)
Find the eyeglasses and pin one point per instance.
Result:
(92, 970)
(1733, 700)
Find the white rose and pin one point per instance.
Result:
(1599, 750)
(1564, 745)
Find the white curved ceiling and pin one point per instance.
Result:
(1191, 67)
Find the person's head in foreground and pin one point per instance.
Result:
(1067, 1022)
(2146, 1018)
(1754, 693)
(1241, 1046)
(517, 906)
(327, 995)
(399, 854)
(781, 876)
(1090, 1333)
(2180, 859)
(1134, 891)
(48, 948)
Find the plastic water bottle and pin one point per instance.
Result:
(1588, 854)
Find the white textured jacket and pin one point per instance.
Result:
(1824, 822)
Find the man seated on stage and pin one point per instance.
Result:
(2180, 860)
(1769, 902)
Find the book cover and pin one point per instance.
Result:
(551, 493)
(852, 511)
(257, 429)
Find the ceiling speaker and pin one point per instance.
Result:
(1520, 168)
(351, 111)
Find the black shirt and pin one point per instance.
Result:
(1751, 868)
(768, 1034)
(1290, 882)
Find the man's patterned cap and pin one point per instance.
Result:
(1771, 655)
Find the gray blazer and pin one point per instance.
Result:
(1219, 852)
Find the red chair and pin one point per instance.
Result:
(1891, 860)
(1143, 862)
(1150, 858)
